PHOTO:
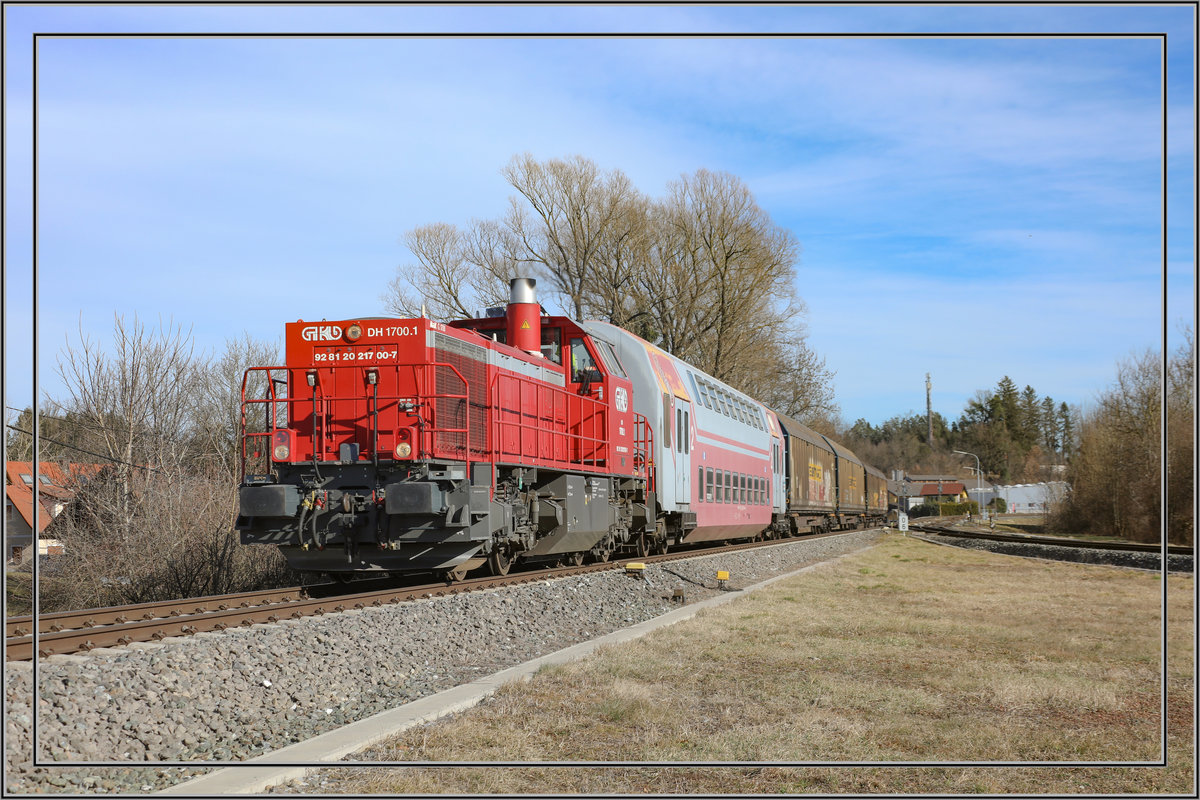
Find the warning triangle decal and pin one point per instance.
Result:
(525, 325)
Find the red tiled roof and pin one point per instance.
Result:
(20, 493)
(22, 499)
(948, 488)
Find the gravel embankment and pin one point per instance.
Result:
(1082, 555)
(245, 692)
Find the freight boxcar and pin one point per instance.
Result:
(851, 480)
(877, 496)
(810, 478)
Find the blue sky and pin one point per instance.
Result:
(971, 207)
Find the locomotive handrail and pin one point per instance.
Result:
(599, 417)
(590, 442)
(421, 399)
(272, 398)
(643, 434)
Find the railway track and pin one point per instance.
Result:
(1058, 541)
(75, 631)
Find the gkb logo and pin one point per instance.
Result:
(621, 399)
(321, 333)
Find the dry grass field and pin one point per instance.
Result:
(908, 652)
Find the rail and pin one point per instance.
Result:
(1056, 541)
(201, 615)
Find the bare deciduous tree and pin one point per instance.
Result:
(1115, 471)
(217, 409)
(568, 212)
(456, 272)
(135, 400)
(703, 272)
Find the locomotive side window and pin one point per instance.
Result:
(700, 482)
(728, 486)
(609, 356)
(552, 344)
(720, 486)
(583, 368)
(708, 485)
(679, 430)
(685, 433)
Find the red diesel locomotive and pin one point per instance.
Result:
(395, 445)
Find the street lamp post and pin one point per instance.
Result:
(978, 477)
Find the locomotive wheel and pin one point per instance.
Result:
(641, 547)
(576, 559)
(499, 563)
(456, 574)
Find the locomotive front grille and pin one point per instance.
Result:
(452, 412)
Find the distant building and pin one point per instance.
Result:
(1032, 498)
(54, 493)
(938, 489)
(943, 492)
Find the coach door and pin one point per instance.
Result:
(682, 442)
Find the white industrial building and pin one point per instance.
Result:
(1031, 498)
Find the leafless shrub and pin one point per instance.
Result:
(157, 522)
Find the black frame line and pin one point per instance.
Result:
(1161, 36)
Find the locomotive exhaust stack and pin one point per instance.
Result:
(524, 316)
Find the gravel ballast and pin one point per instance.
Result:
(244, 692)
(1082, 555)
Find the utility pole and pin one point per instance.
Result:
(929, 410)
